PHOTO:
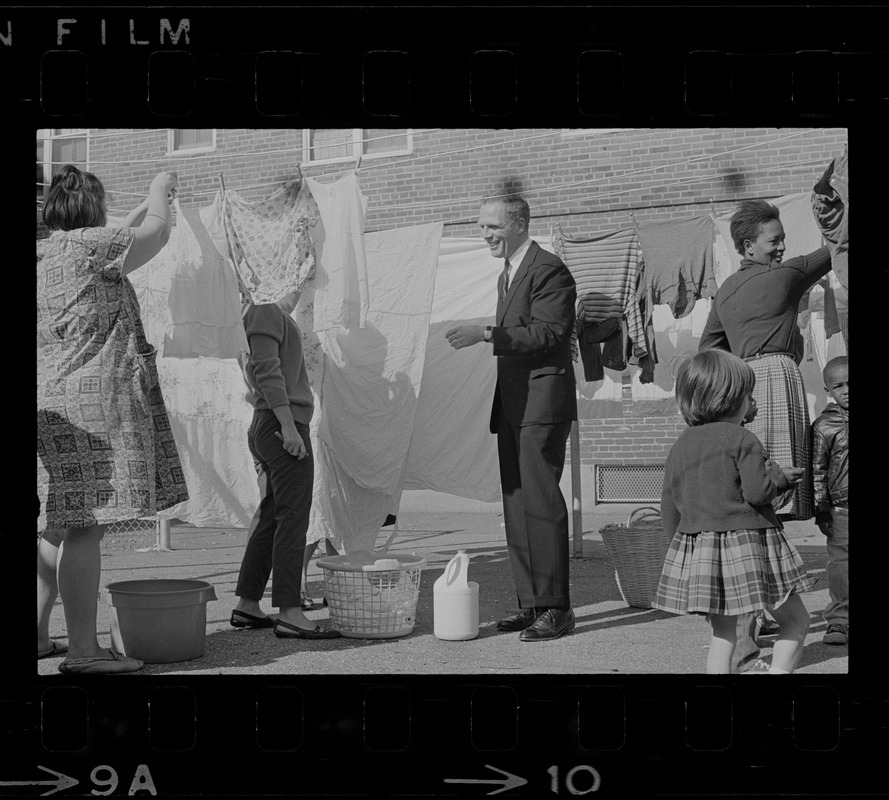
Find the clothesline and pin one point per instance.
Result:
(608, 194)
(622, 175)
(575, 184)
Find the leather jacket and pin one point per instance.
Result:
(830, 459)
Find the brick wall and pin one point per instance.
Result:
(581, 182)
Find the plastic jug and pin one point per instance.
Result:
(455, 601)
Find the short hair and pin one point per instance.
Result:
(748, 220)
(712, 384)
(515, 206)
(75, 200)
(830, 366)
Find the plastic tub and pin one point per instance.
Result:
(372, 599)
(159, 621)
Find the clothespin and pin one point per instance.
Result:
(222, 182)
(712, 207)
(358, 163)
(299, 173)
(633, 219)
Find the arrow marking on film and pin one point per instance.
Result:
(511, 781)
(60, 782)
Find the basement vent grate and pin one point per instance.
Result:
(638, 483)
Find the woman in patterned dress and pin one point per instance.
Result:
(105, 450)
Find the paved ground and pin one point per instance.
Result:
(610, 637)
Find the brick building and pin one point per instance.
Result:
(587, 181)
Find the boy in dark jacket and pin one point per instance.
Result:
(830, 470)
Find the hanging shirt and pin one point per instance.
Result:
(678, 258)
(606, 269)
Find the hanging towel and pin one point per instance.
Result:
(678, 258)
(371, 386)
(830, 206)
(205, 304)
(269, 241)
(341, 288)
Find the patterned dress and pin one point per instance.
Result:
(105, 449)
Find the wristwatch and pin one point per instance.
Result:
(489, 333)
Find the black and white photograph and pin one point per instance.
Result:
(444, 401)
(475, 337)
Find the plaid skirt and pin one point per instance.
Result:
(729, 572)
(782, 425)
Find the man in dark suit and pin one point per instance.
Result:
(534, 406)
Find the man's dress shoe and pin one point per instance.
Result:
(518, 622)
(551, 624)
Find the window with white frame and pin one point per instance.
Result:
(346, 144)
(57, 147)
(185, 141)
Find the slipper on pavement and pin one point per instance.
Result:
(55, 649)
(100, 665)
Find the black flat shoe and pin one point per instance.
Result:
(518, 622)
(284, 630)
(241, 619)
(551, 624)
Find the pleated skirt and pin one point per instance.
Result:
(730, 572)
(782, 425)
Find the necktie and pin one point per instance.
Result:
(505, 276)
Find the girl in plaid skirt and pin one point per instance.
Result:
(728, 554)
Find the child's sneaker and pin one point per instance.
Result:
(836, 634)
(758, 667)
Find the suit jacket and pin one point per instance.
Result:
(532, 342)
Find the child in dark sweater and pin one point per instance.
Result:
(728, 554)
(830, 473)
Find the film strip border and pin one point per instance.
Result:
(507, 65)
(363, 737)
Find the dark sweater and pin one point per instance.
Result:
(715, 480)
(755, 308)
(275, 370)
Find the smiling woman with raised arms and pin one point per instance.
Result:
(754, 316)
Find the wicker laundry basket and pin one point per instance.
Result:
(637, 552)
(372, 599)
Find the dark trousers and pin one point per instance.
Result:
(837, 610)
(277, 542)
(534, 511)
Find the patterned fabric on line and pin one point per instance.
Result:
(782, 425)
(729, 573)
(269, 241)
(105, 448)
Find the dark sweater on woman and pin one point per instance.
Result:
(715, 479)
(755, 308)
(275, 370)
